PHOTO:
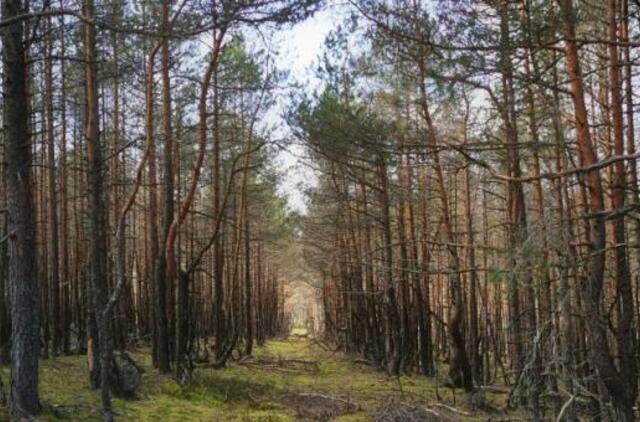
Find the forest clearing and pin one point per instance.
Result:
(387, 210)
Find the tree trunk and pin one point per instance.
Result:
(474, 339)
(220, 326)
(626, 329)
(392, 323)
(23, 270)
(97, 228)
(66, 303)
(601, 358)
(248, 303)
(459, 369)
(165, 278)
(518, 234)
(160, 327)
(52, 225)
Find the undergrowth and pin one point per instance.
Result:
(260, 389)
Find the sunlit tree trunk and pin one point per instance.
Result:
(600, 352)
(624, 292)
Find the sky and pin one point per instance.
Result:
(299, 48)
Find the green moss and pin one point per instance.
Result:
(240, 392)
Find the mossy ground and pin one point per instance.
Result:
(245, 391)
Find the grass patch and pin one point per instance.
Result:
(241, 392)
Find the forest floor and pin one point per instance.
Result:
(289, 379)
